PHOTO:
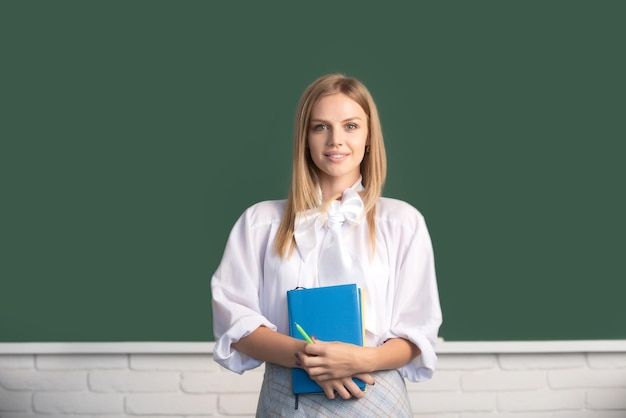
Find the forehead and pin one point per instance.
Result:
(336, 106)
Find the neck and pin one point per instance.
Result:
(333, 189)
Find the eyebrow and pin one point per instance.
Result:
(345, 120)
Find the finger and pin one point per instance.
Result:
(319, 374)
(311, 361)
(297, 361)
(353, 388)
(343, 392)
(329, 391)
(366, 377)
(314, 349)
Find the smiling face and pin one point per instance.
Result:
(337, 136)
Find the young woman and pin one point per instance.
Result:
(334, 228)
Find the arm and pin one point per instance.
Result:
(344, 360)
(270, 346)
(416, 313)
(235, 288)
(332, 360)
(394, 353)
(266, 345)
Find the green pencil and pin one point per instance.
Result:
(303, 333)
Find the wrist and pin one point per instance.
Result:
(371, 360)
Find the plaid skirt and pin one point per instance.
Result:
(387, 398)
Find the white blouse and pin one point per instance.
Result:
(249, 288)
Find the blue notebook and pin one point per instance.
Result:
(331, 313)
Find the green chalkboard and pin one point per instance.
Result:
(133, 134)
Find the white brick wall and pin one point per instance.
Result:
(178, 384)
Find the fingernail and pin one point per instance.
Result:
(297, 355)
(298, 364)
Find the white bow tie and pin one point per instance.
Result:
(315, 224)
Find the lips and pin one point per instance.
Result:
(336, 157)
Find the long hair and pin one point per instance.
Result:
(303, 194)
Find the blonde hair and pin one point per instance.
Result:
(303, 194)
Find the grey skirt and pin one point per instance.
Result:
(387, 398)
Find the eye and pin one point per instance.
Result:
(351, 126)
(319, 127)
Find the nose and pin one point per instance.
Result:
(334, 138)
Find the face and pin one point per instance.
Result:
(337, 138)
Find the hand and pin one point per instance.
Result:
(332, 365)
(333, 360)
(345, 388)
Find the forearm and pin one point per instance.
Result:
(393, 354)
(270, 346)
(332, 360)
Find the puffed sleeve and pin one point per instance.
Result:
(417, 313)
(235, 291)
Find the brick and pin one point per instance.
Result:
(607, 360)
(229, 416)
(467, 362)
(244, 404)
(145, 416)
(191, 362)
(442, 380)
(541, 401)
(142, 416)
(505, 415)
(21, 415)
(607, 399)
(16, 361)
(501, 380)
(78, 403)
(171, 404)
(441, 416)
(224, 382)
(82, 361)
(452, 402)
(11, 401)
(44, 380)
(588, 414)
(541, 361)
(595, 378)
(133, 381)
